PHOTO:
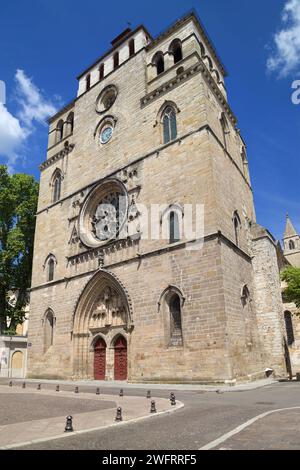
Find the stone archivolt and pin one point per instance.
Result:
(109, 310)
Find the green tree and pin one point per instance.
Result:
(18, 204)
(291, 293)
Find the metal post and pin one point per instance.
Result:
(119, 415)
(69, 424)
(153, 407)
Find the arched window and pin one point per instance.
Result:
(101, 71)
(237, 227)
(225, 129)
(169, 124)
(289, 328)
(176, 50)
(245, 295)
(57, 186)
(88, 82)
(49, 323)
(70, 123)
(291, 245)
(175, 320)
(131, 47)
(174, 228)
(116, 60)
(51, 268)
(159, 62)
(59, 130)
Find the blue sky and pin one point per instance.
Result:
(45, 45)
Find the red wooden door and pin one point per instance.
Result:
(120, 358)
(100, 360)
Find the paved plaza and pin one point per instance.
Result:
(31, 416)
(259, 416)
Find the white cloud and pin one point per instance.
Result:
(12, 136)
(34, 107)
(15, 130)
(285, 57)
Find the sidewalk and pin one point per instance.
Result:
(170, 387)
(24, 429)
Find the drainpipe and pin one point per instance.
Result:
(9, 358)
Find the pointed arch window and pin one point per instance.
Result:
(57, 186)
(51, 268)
(172, 301)
(169, 124)
(225, 129)
(289, 328)
(237, 227)
(176, 50)
(174, 228)
(49, 323)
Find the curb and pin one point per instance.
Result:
(179, 406)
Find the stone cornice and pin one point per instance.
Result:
(219, 236)
(67, 149)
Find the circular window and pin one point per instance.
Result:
(104, 213)
(106, 133)
(106, 99)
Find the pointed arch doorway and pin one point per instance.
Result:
(120, 362)
(100, 359)
(102, 326)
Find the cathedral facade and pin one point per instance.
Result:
(114, 299)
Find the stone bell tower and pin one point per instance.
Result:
(291, 243)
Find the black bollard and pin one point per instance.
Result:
(39, 387)
(24, 385)
(121, 393)
(10, 383)
(148, 394)
(76, 390)
(119, 415)
(98, 391)
(153, 407)
(69, 424)
(57, 388)
(173, 399)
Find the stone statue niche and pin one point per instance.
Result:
(108, 311)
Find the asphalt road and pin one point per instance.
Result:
(205, 417)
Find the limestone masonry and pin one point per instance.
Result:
(151, 125)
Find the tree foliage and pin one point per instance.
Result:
(18, 204)
(291, 293)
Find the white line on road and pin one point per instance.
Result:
(240, 428)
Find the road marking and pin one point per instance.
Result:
(240, 428)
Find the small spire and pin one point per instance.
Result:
(290, 230)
